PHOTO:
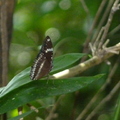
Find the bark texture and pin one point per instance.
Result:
(6, 18)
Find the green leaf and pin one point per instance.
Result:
(23, 77)
(40, 89)
(65, 61)
(19, 80)
(1, 89)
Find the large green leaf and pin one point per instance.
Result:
(19, 80)
(40, 89)
(1, 89)
(59, 63)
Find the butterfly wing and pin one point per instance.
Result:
(43, 63)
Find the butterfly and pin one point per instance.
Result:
(44, 61)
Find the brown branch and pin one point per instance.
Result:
(4, 44)
(10, 10)
(6, 14)
(102, 56)
(94, 47)
(5, 37)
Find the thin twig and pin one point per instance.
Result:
(82, 114)
(110, 18)
(94, 47)
(94, 24)
(114, 30)
(102, 20)
(107, 98)
(52, 114)
(32, 107)
(98, 37)
(85, 6)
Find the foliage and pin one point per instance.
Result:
(68, 24)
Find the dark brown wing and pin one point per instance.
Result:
(43, 62)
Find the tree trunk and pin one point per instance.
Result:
(6, 18)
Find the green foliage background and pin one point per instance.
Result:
(66, 22)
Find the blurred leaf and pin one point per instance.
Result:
(40, 89)
(23, 115)
(24, 40)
